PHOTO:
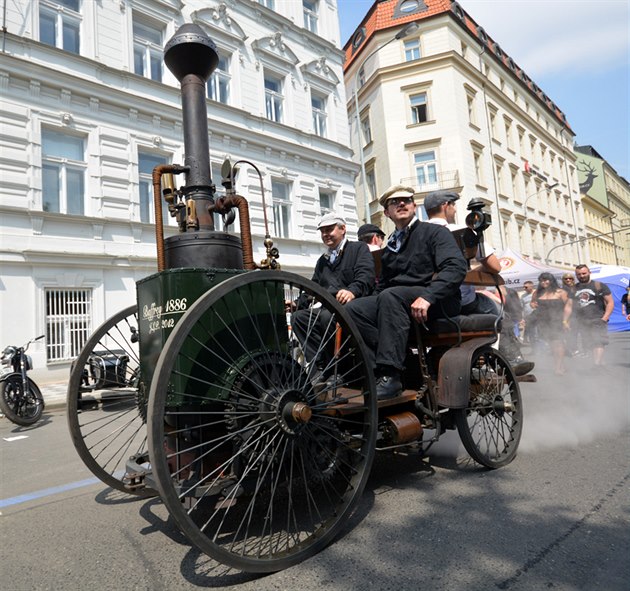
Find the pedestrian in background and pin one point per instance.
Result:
(529, 318)
(553, 306)
(593, 306)
(568, 284)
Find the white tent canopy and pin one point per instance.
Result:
(515, 270)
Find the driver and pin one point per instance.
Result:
(422, 269)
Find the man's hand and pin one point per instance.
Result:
(344, 296)
(420, 310)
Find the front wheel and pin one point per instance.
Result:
(20, 407)
(490, 427)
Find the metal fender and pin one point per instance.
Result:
(454, 372)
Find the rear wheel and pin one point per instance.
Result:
(252, 454)
(21, 408)
(490, 427)
(107, 409)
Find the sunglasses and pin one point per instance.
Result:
(397, 200)
(568, 279)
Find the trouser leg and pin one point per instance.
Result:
(314, 329)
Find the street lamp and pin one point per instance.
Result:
(404, 32)
(579, 240)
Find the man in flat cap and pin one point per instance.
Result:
(346, 271)
(372, 235)
(441, 207)
(422, 269)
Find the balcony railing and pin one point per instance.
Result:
(449, 179)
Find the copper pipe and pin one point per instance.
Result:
(223, 205)
(158, 171)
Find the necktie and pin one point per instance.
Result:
(395, 240)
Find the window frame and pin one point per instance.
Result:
(411, 47)
(65, 167)
(218, 85)
(311, 15)
(282, 208)
(319, 114)
(150, 51)
(61, 15)
(429, 170)
(416, 111)
(61, 342)
(274, 99)
(145, 197)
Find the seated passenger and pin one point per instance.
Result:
(441, 207)
(422, 269)
(346, 271)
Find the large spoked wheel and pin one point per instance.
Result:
(259, 458)
(490, 428)
(21, 408)
(107, 407)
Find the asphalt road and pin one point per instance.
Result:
(556, 518)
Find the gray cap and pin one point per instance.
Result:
(330, 219)
(435, 199)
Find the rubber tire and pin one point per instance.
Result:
(10, 382)
(279, 471)
(87, 429)
(490, 427)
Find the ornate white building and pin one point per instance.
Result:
(88, 109)
(441, 105)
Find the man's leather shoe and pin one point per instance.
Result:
(521, 368)
(388, 387)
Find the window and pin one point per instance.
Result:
(412, 50)
(310, 15)
(426, 170)
(219, 82)
(63, 173)
(418, 103)
(371, 183)
(146, 164)
(508, 133)
(267, 3)
(366, 129)
(326, 202)
(362, 76)
(147, 50)
(472, 112)
(60, 24)
(281, 208)
(493, 122)
(479, 179)
(318, 104)
(273, 98)
(68, 322)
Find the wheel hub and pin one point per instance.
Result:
(291, 409)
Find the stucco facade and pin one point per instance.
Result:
(445, 107)
(87, 108)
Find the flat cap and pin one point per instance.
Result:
(435, 199)
(396, 191)
(366, 229)
(330, 219)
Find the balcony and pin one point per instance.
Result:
(448, 179)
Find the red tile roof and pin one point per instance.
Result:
(381, 17)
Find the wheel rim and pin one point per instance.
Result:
(27, 406)
(106, 408)
(491, 426)
(252, 460)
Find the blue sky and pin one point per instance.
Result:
(577, 51)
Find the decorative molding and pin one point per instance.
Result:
(318, 72)
(275, 48)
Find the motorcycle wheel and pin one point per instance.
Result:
(21, 408)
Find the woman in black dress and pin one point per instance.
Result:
(553, 310)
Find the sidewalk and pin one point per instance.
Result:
(54, 394)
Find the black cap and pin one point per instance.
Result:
(435, 199)
(366, 229)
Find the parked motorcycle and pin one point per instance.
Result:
(20, 398)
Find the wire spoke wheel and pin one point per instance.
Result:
(107, 405)
(490, 428)
(251, 452)
(20, 407)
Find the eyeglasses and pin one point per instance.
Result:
(397, 200)
(568, 279)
